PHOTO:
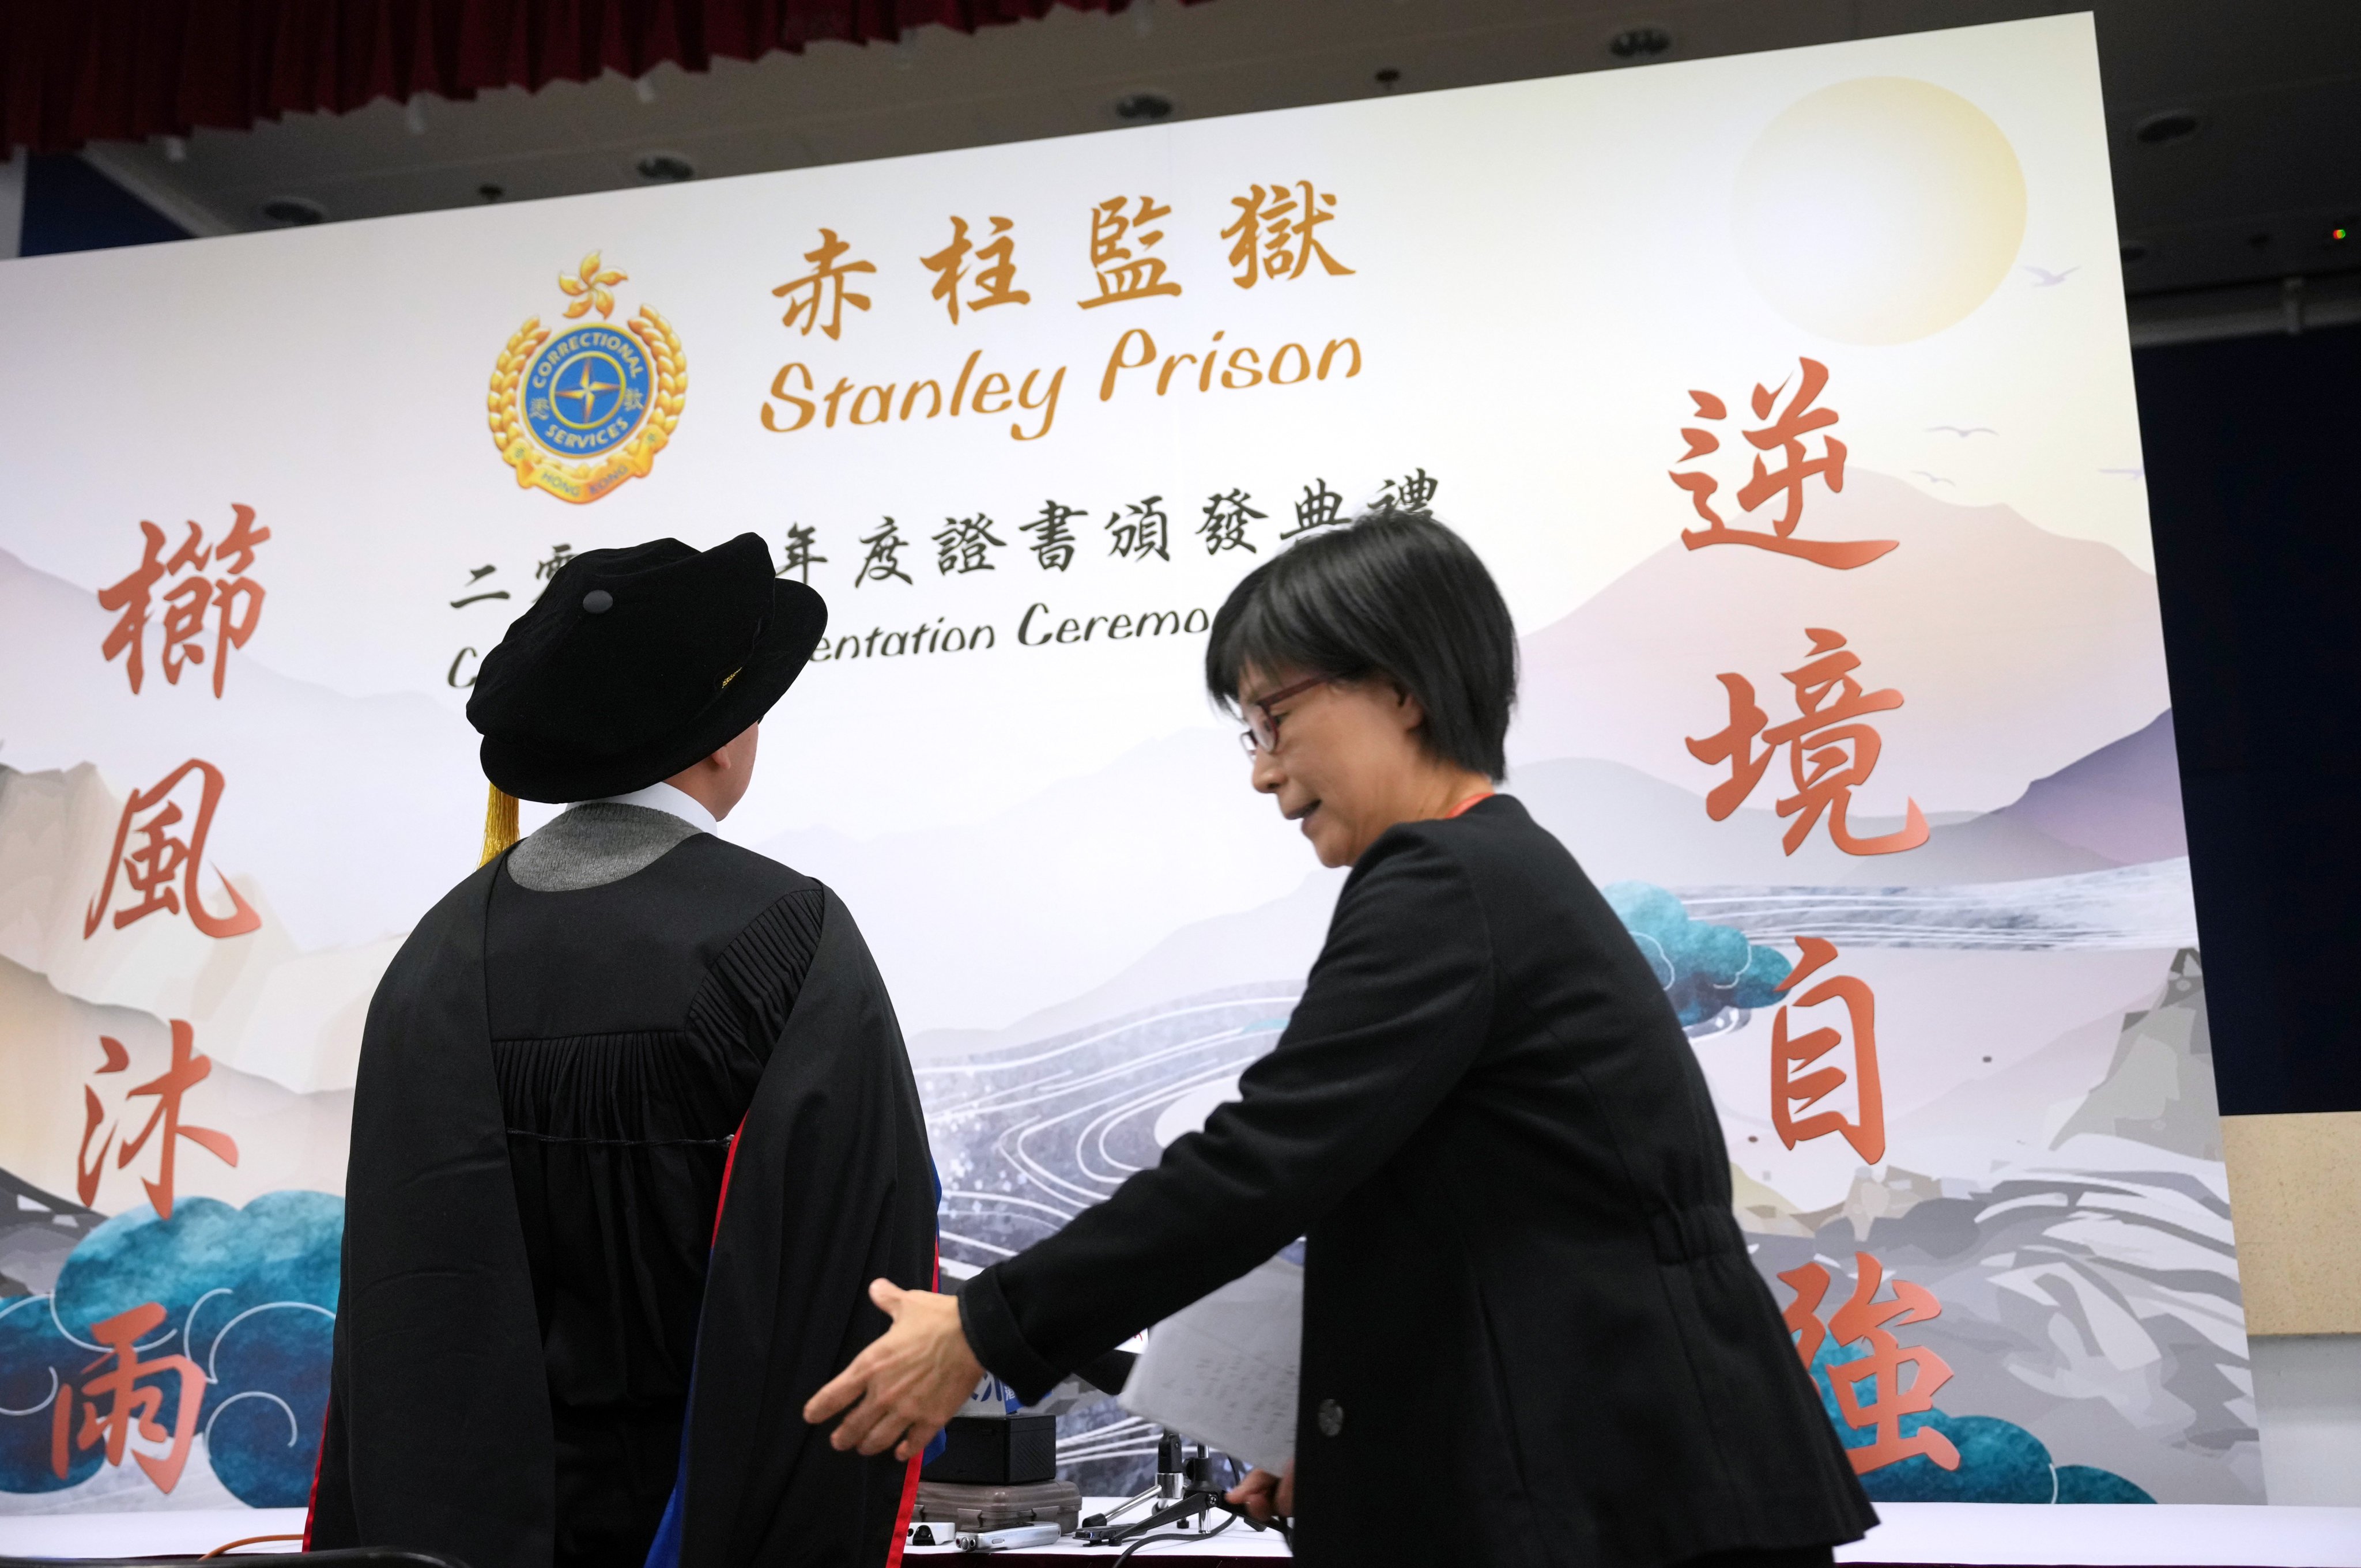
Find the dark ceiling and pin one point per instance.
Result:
(2235, 125)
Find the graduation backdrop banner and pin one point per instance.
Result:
(1788, 397)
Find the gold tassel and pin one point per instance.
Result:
(499, 824)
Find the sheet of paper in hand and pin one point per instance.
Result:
(1224, 1371)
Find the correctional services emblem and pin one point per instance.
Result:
(579, 410)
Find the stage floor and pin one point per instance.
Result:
(2097, 1535)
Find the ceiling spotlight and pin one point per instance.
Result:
(2173, 125)
(294, 212)
(666, 168)
(2133, 253)
(492, 193)
(1387, 77)
(1639, 43)
(1138, 107)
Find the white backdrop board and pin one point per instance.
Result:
(1787, 396)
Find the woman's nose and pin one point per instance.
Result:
(1268, 774)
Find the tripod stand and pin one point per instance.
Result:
(1187, 1487)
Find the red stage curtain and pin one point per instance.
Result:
(78, 71)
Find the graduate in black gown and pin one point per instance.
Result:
(634, 1128)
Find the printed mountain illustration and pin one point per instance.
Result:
(2122, 801)
(38, 1229)
(2065, 784)
(1621, 825)
(2093, 1301)
(259, 1002)
(1273, 943)
(2159, 1089)
(1168, 836)
(1107, 865)
(403, 767)
(1183, 916)
(2090, 1294)
(1627, 676)
(2102, 1271)
(1624, 823)
(51, 1055)
(1987, 881)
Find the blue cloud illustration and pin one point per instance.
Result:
(1703, 968)
(35, 1355)
(249, 1294)
(1999, 1462)
(2088, 1483)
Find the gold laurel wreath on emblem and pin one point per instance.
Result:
(584, 482)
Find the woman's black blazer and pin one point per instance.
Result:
(1531, 1331)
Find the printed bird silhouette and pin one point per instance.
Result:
(1935, 478)
(1963, 430)
(2044, 279)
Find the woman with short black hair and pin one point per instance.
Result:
(1396, 596)
(1532, 1333)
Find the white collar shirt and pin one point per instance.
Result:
(666, 798)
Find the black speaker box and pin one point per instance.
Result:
(988, 1452)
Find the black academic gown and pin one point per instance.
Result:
(528, 1318)
(1532, 1334)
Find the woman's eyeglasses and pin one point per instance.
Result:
(1261, 733)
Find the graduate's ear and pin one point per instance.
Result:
(719, 780)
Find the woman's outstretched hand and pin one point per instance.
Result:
(1267, 1494)
(913, 1377)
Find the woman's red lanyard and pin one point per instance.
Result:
(1479, 796)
